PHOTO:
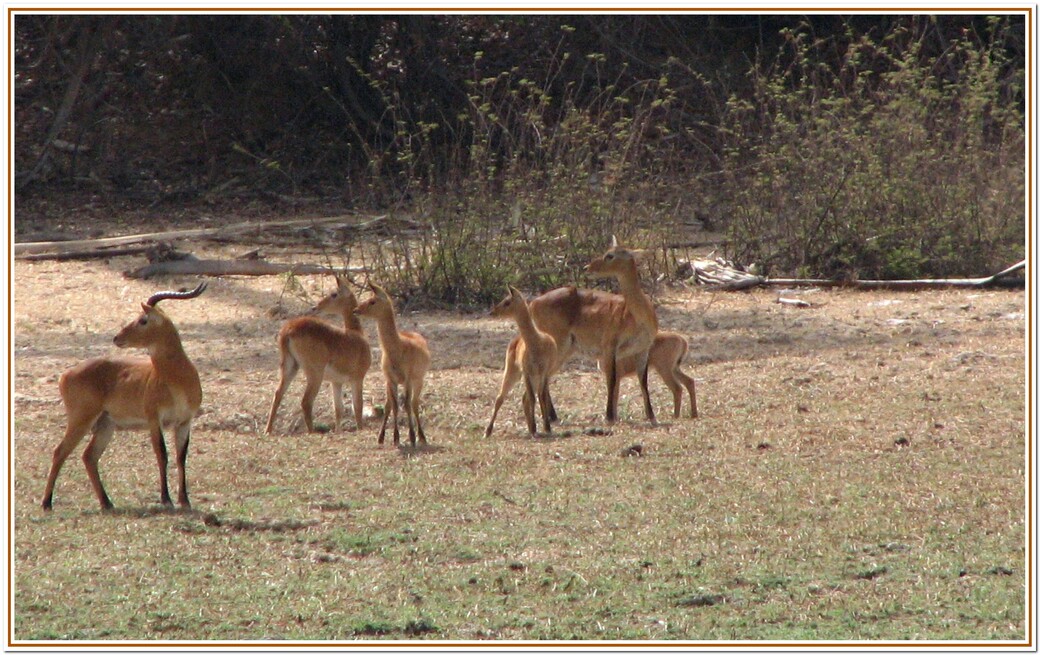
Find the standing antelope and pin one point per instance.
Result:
(405, 359)
(324, 351)
(608, 325)
(666, 355)
(106, 393)
(532, 356)
(636, 326)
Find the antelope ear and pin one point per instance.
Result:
(378, 290)
(613, 241)
(151, 312)
(513, 291)
(341, 281)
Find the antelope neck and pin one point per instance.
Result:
(386, 326)
(170, 362)
(167, 349)
(635, 299)
(350, 321)
(525, 323)
(629, 282)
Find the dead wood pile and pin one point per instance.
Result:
(723, 275)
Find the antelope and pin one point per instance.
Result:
(324, 351)
(666, 355)
(405, 360)
(106, 393)
(532, 356)
(608, 325)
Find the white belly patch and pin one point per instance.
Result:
(334, 375)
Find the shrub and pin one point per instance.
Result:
(887, 160)
(535, 193)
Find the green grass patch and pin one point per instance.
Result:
(834, 532)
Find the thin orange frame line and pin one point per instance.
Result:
(1030, 203)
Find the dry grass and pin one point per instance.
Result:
(857, 473)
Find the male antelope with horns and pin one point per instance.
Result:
(106, 393)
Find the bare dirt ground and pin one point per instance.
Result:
(68, 311)
(864, 372)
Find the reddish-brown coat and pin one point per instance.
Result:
(405, 360)
(324, 351)
(106, 393)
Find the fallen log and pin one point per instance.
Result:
(98, 253)
(37, 247)
(794, 302)
(723, 276)
(900, 285)
(219, 267)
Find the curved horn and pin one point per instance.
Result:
(177, 295)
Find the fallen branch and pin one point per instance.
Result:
(98, 253)
(723, 276)
(219, 267)
(378, 223)
(718, 273)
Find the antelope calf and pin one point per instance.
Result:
(324, 351)
(405, 360)
(531, 356)
(666, 356)
(106, 393)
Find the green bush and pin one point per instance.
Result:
(878, 155)
(888, 161)
(537, 191)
